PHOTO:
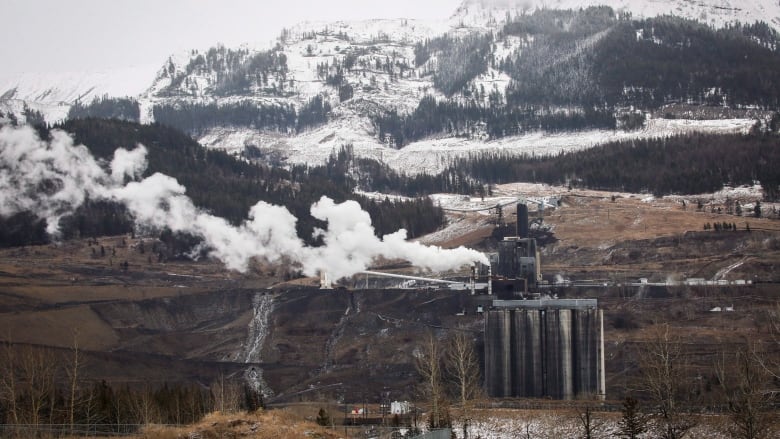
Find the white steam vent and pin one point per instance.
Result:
(71, 175)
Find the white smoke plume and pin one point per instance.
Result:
(53, 178)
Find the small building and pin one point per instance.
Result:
(400, 408)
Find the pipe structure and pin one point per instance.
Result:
(403, 276)
(602, 380)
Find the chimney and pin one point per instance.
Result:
(522, 220)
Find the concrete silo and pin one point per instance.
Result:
(544, 348)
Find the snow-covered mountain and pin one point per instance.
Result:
(713, 12)
(53, 93)
(355, 71)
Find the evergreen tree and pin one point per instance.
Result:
(323, 418)
(633, 423)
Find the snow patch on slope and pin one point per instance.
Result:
(713, 12)
(53, 93)
(434, 155)
(69, 87)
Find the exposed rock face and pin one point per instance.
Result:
(292, 340)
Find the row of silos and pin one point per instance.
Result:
(544, 348)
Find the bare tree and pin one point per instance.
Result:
(72, 371)
(746, 384)
(462, 366)
(9, 385)
(226, 394)
(428, 362)
(663, 369)
(37, 372)
(770, 360)
(591, 426)
(88, 408)
(143, 406)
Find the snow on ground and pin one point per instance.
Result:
(53, 93)
(713, 12)
(509, 45)
(404, 30)
(456, 227)
(550, 194)
(378, 196)
(506, 424)
(490, 81)
(52, 112)
(68, 87)
(465, 203)
(739, 193)
(434, 155)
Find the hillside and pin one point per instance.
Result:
(517, 77)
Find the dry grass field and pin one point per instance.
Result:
(271, 424)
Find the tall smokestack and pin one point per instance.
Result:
(522, 220)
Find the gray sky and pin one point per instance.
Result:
(87, 35)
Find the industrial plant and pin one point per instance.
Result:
(535, 345)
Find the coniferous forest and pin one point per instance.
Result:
(578, 69)
(107, 108)
(687, 164)
(593, 58)
(198, 118)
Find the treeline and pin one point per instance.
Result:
(314, 113)
(680, 60)
(217, 182)
(197, 118)
(459, 59)
(473, 120)
(237, 72)
(685, 164)
(30, 116)
(49, 391)
(107, 108)
(593, 57)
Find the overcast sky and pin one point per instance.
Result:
(88, 35)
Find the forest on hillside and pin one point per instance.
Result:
(432, 117)
(197, 118)
(593, 57)
(578, 70)
(106, 107)
(684, 164)
(237, 72)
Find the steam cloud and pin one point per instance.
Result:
(52, 179)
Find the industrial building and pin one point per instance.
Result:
(538, 347)
(516, 265)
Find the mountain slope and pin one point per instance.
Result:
(712, 12)
(499, 75)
